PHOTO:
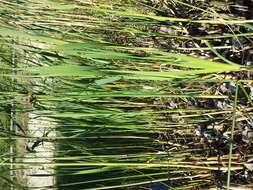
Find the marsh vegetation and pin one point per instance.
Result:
(122, 94)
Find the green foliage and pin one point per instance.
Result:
(110, 100)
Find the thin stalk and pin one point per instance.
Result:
(124, 165)
(246, 94)
(232, 136)
(12, 125)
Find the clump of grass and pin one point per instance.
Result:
(125, 108)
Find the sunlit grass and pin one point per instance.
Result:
(110, 99)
